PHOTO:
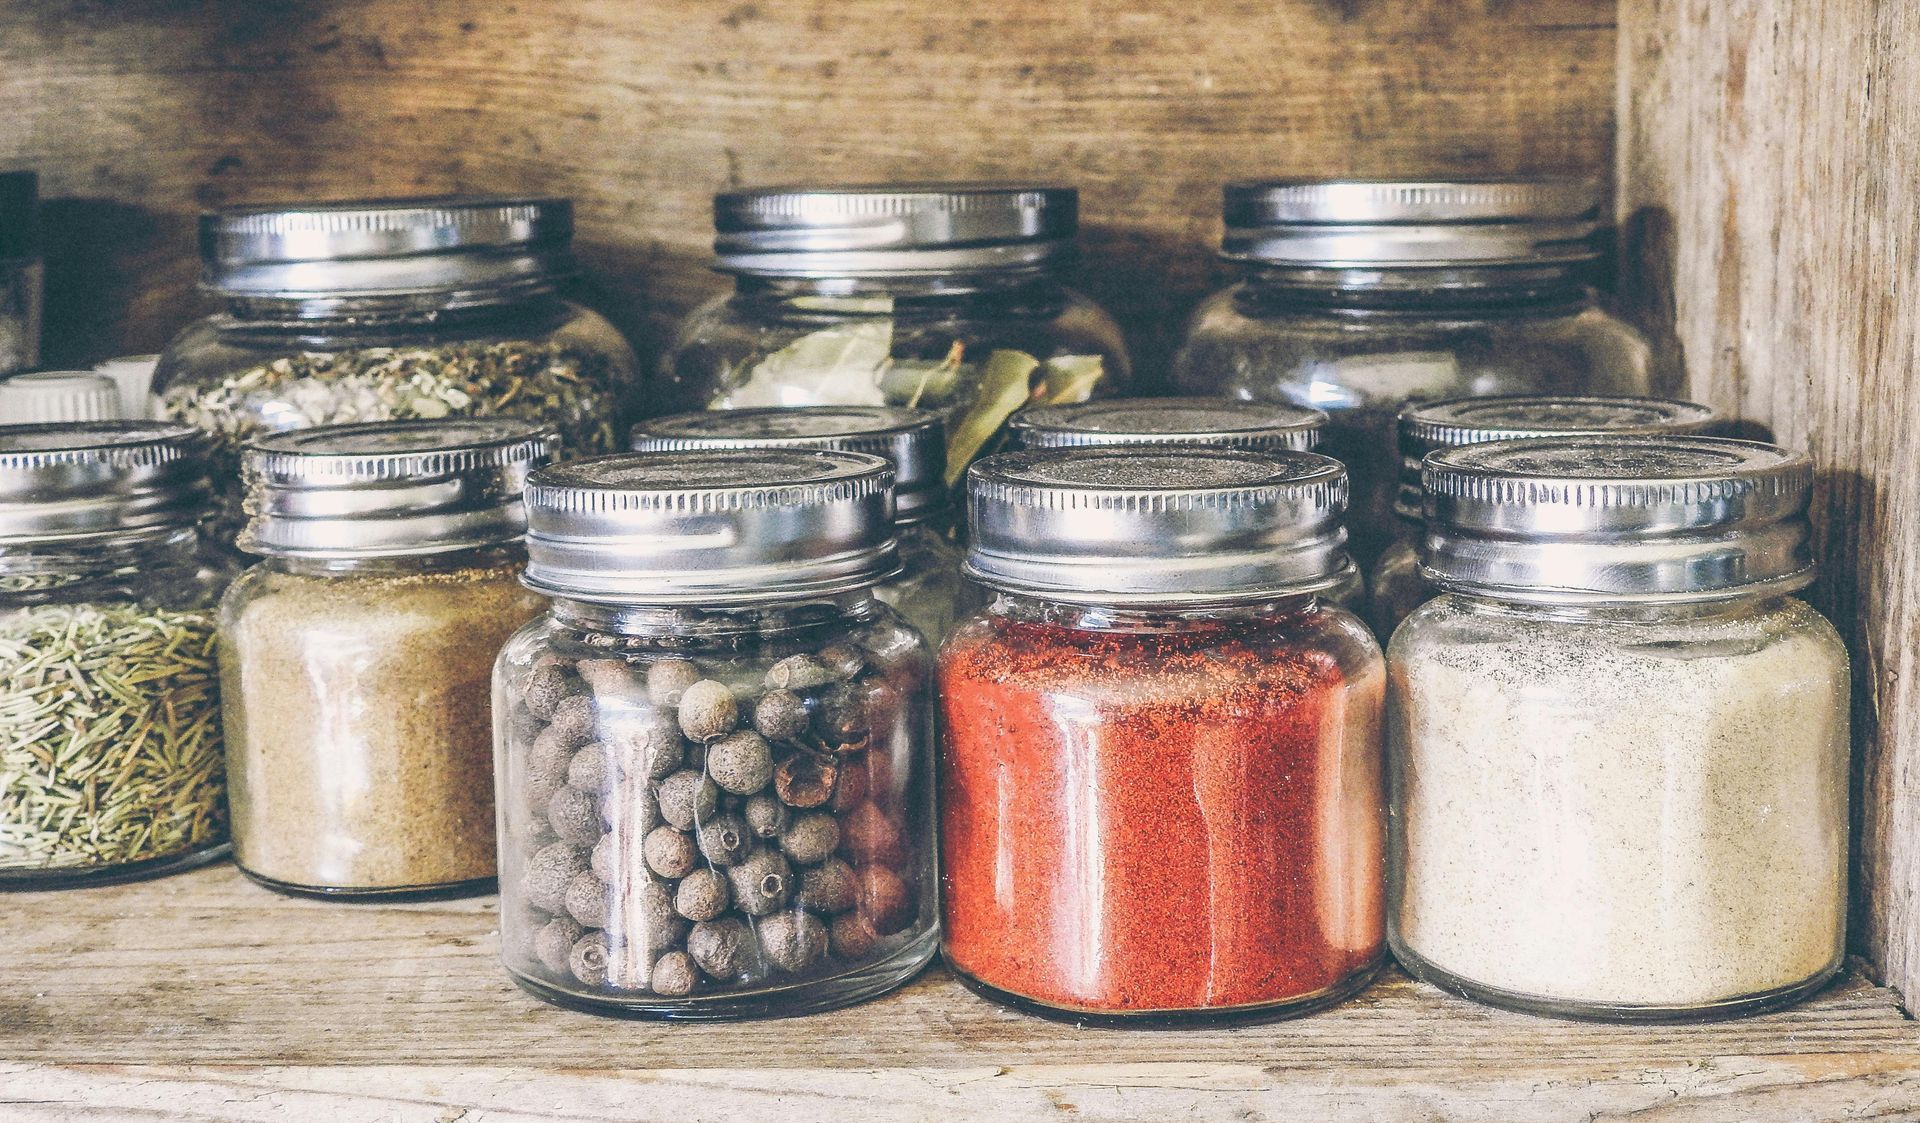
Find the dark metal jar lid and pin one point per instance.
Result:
(892, 229)
(385, 246)
(1216, 422)
(711, 527)
(86, 480)
(1157, 525)
(1570, 520)
(391, 488)
(912, 440)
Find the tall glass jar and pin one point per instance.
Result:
(939, 296)
(22, 273)
(356, 660)
(1395, 586)
(927, 591)
(713, 752)
(110, 763)
(1161, 795)
(1359, 297)
(391, 311)
(1619, 745)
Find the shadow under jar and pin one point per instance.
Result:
(110, 762)
(927, 591)
(1619, 746)
(1359, 297)
(1161, 794)
(713, 752)
(935, 296)
(356, 660)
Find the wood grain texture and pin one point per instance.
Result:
(1767, 188)
(141, 112)
(205, 996)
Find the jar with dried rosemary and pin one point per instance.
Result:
(110, 755)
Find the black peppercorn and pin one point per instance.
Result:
(780, 715)
(590, 770)
(574, 815)
(553, 943)
(798, 672)
(668, 679)
(708, 711)
(586, 899)
(543, 688)
(588, 959)
(852, 937)
(686, 798)
(544, 885)
(766, 816)
(811, 838)
(702, 895)
(793, 941)
(723, 948)
(761, 883)
(829, 887)
(674, 975)
(724, 839)
(845, 660)
(741, 762)
(670, 853)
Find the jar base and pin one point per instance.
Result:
(813, 996)
(1739, 1006)
(471, 888)
(26, 880)
(1179, 1019)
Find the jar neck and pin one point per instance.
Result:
(795, 617)
(401, 308)
(1532, 287)
(75, 567)
(498, 555)
(874, 294)
(1647, 613)
(1027, 608)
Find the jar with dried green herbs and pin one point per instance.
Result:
(935, 296)
(110, 761)
(356, 660)
(339, 313)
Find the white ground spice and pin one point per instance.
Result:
(1636, 814)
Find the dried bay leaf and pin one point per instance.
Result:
(1067, 379)
(839, 366)
(1005, 386)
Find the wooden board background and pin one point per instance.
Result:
(1768, 156)
(141, 112)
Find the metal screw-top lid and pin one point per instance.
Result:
(79, 481)
(712, 527)
(1464, 421)
(892, 229)
(1218, 422)
(385, 247)
(391, 488)
(58, 395)
(912, 440)
(19, 202)
(1562, 520)
(1157, 525)
(1362, 224)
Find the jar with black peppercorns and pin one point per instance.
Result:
(713, 752)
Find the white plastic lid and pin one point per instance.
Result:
(58, 395)
(133, 374)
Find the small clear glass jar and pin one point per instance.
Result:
(1395, 587)
(356, 659)
(110, 754)
(22, 273)
(714, 752)
(927, 591)
(1618, 745)
(1161, 782)
(1360, 297)
(389, 311)
(945, 297)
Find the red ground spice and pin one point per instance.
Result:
(1178, 820)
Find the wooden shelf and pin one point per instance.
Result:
(207, 995)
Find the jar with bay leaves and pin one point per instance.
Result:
(110, 762)
(392, 310)
(356, 659)
(713, 753)
(1359, 297)
(938, 296)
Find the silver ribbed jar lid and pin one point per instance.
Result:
(1157, 526)
(1217, 422)
(83, 480)
(912, 440)
(1611, 519)
(1428, 426)
(1359, 224)
(391, 488)
(710, 528)
(892, 229)
(385, 247)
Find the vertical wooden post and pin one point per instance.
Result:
(1769, 155)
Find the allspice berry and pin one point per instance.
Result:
(611, 680)
(668, 680)
(850, 789)
(553, 943)
(574, 719)
(544, 885)
(590, 770)
(669, 852)
(674, 975)
(828, 887)
(722, 948)
(851, 936)
(588, 959)
(574, 816)
(651, 920)
(586, 899)
(702, 895)
(868, 836)
(543, 688)
(645, 744)
(804, 782)
(708, 711)
(761, 882)
(741, 762)
(766, 816)
(687, 797)
(840, 719)
(724, 839)
(845, 660)
(548, 761)
(793, 941)
(780, 715)
(798, 672)
(883, 899)
(811, 838)
(605, 860)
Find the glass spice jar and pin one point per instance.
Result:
(1359, 297)
(1395, 586)
(110, 763)
(22, 273)
(713, 752)
(392, 310)
(927, 591)
(1161, 795)
(1619, 745)
(356, 659)
(936, 296)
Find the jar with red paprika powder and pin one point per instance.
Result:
(1161, 794)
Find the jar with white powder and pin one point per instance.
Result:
(1618, 743)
